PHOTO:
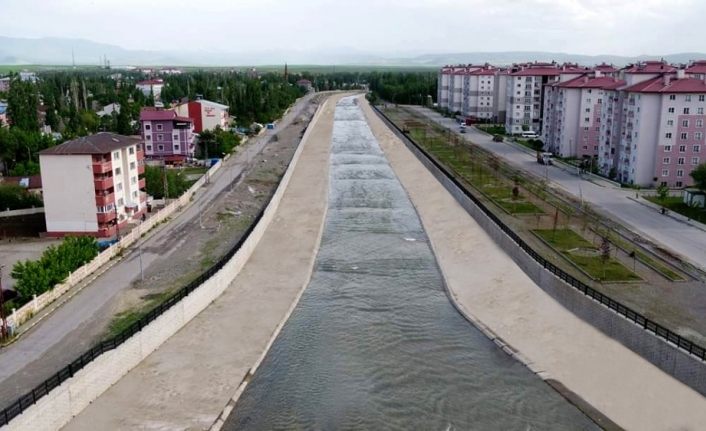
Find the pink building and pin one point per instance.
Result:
(206, 115)
(662, 137)
(166, 135)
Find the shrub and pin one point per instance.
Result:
(15, 197)
(34, 277)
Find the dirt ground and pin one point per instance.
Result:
(202, 242)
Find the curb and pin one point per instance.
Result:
(680, 218)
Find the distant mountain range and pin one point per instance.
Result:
(60, 51)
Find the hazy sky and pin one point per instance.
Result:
(380, 26)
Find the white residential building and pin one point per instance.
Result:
(92, 185)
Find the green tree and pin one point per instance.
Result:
(22, 103)
(699, 176)
(662, 192)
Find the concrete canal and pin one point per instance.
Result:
(374, 342)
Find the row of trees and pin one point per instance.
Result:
(34, 277)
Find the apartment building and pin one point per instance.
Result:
(93, 185)
(578, 114)
(166, 135)
(206, 115)
(473, 91)
(662, 133)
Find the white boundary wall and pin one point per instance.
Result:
(56, 409)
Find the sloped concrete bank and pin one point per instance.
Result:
(495, 284)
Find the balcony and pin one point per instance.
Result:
(105, 199)
(102, 167)
(107, 232)
(104, 183)
(141, 184)
(140, 169)
(106, 217)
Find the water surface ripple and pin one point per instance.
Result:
(374, 342)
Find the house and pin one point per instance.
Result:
(33, 183)
(3, 115)
(207, 115)
(4, 84)
(166, 135)
(28, 76)
(153, 86)
(108, 110)
(93, 185)
(305, 84)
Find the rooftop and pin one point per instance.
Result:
(155, 114)
(670, 85)
(31, 182)
(151, 82)
(100, 143)
(603, 82)
(650, 67)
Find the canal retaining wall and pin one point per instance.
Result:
(673, 360)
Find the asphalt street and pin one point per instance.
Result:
(682, 239)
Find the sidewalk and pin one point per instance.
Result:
(494, 293)
(188, 381)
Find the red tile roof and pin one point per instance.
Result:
(650, 67)
(658, 85)
(151, 82)
(35, 181)
(537, 71)
(603, 82)
(154, 114)
(697, 67)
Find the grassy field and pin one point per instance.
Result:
(585, 255)
(675, 203)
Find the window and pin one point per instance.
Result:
(116, 155)
(699, 123)
(679, 184)
(121, 202)
(695, 161)
(131, 150)
(700, 111)
(587, 119)
(682, 148)
(117, 171)
(687, 98)
(672, 97)
(670, 123)
(671, 110)
(133, 180)
(149, 137)
(159, 127)
(160, 137)
(702, 98)
(176, 137)
(685, 123)
(119, 186)
(132, 165)
(588, 109)
(160, 147)
(680, 173)
(665, 172)
(667, 148)
(686, 111)
(697, 148)
(134, 194)
(668, 135)
(685, 136)
(681, 161)
(176, 147)
(148, 127)
(665, 161)
(698, 136)
(149, 147)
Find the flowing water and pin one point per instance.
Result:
(374, 342)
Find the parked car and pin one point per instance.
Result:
(544, 158)
(462, 128)
(498, 138)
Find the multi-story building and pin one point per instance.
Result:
(151, 86)
(207, 115)
(166, 135)
(662, 130)
(4, 84)
(576, 114)
(92, 185)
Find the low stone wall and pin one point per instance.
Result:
(56, 409)
(668, 357)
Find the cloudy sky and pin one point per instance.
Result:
(387, 27)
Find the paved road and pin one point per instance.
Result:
(60, 337)
(684, 240)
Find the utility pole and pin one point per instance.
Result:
(3, 330)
